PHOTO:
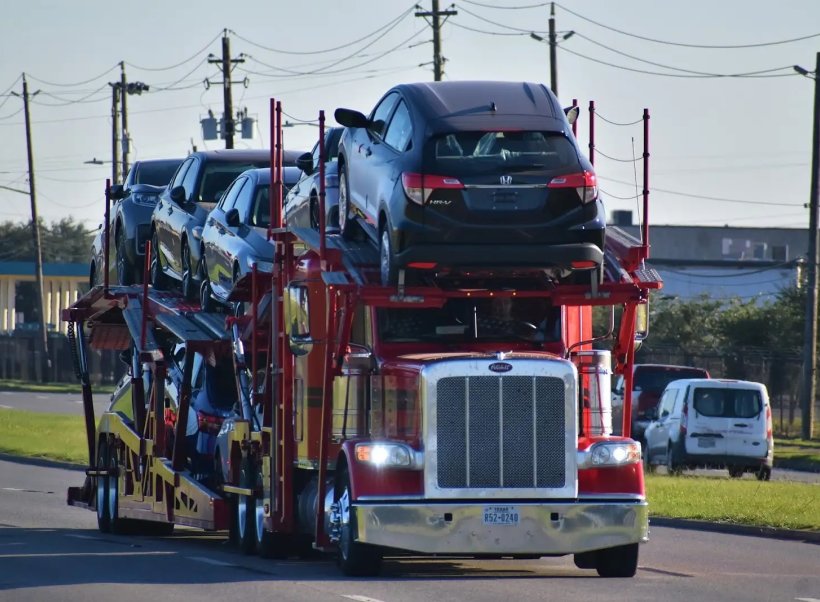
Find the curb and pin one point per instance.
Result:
(733, 529)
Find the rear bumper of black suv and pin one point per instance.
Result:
(562, 256)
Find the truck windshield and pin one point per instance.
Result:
(474, 320)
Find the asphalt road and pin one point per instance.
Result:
(49, 551)
(55, 403)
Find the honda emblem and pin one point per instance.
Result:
(506, 180)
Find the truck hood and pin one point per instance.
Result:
(415, 362)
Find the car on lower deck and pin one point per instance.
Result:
(470, 174)
(234, 237)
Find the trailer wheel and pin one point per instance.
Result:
(621, 561)
(246, 512)
(103, 507)
(354, 559)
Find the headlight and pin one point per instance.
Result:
(141, 198)
(332, 180)
(610, 453)
(389, 455)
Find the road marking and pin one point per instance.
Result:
(210, 561)
(360, 598)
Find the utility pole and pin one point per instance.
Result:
(115, 132)
(435, 14)
(45, 361)
(809, 384)
(126, 89)
(227, 63)
(553, 45)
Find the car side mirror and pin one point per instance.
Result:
(305, 163)
(351, 118)
(652, 413)
(572, 113)
(178, 195)
(232, 217)
(116, 192)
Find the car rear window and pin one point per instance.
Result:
(471, 153)
(654, 379)
(728, 403)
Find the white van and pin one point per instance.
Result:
(712, 423)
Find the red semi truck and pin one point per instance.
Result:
(467, 414)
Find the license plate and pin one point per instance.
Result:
(706, 442)
(501, 515)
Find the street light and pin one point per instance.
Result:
(552, 42)
(808, 386)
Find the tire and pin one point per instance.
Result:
(103, 507)
(387, 261)
(672, 467)
(158, 278)
(736, 472)
(585, 560)
(618, 562)
(246, 513)
(206, 301)
(188, 289)
(125, 271)
(354, 559)
(345, 220)
(648, 467)
(764, 473)
(313, 209)
(239, 307)
(92, 275)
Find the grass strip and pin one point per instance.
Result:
(778, 504)
(42, 435)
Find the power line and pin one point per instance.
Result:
(390, 23)
(506, 7)
(75, 84)
(686, 45)
(192, 57)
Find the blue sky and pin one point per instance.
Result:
(724, 150)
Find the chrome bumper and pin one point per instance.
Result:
(545, 528)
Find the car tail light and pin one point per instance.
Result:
(684, 418)
(208, 423)
(418, 186)
(768, 423)
(585, 183)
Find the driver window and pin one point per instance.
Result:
(400, 129)
(229, 197)
(382, 113)
(244, 197)
(189, 183)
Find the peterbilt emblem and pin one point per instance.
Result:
(506, 180)
(500, 367)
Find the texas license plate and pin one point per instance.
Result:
(501, 515)
(706, 442)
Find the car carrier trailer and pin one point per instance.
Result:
(348, 437)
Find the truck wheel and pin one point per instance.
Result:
(764, 473)
(125, 271)
(621, 561)
(354, 559)
(158, 278)
(246, 512)
(103, 507)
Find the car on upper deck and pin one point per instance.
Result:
(234, 237)
(302, 202)
(178, 218)
(467, 175)
(133, 203)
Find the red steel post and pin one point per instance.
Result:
(148, 252)
(106, 232)
(592, 132)
(645, 233)
(322, 159)
(273, 131)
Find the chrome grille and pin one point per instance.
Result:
(500, 431)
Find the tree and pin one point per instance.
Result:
(64, 241)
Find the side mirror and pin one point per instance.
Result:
(117, 192)
(652, 413)
(641, 323)
(358, 359)
(351, 118)
(305, 163)
(572, 113)
(232, 217)
(178, 195)
(297, 319)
